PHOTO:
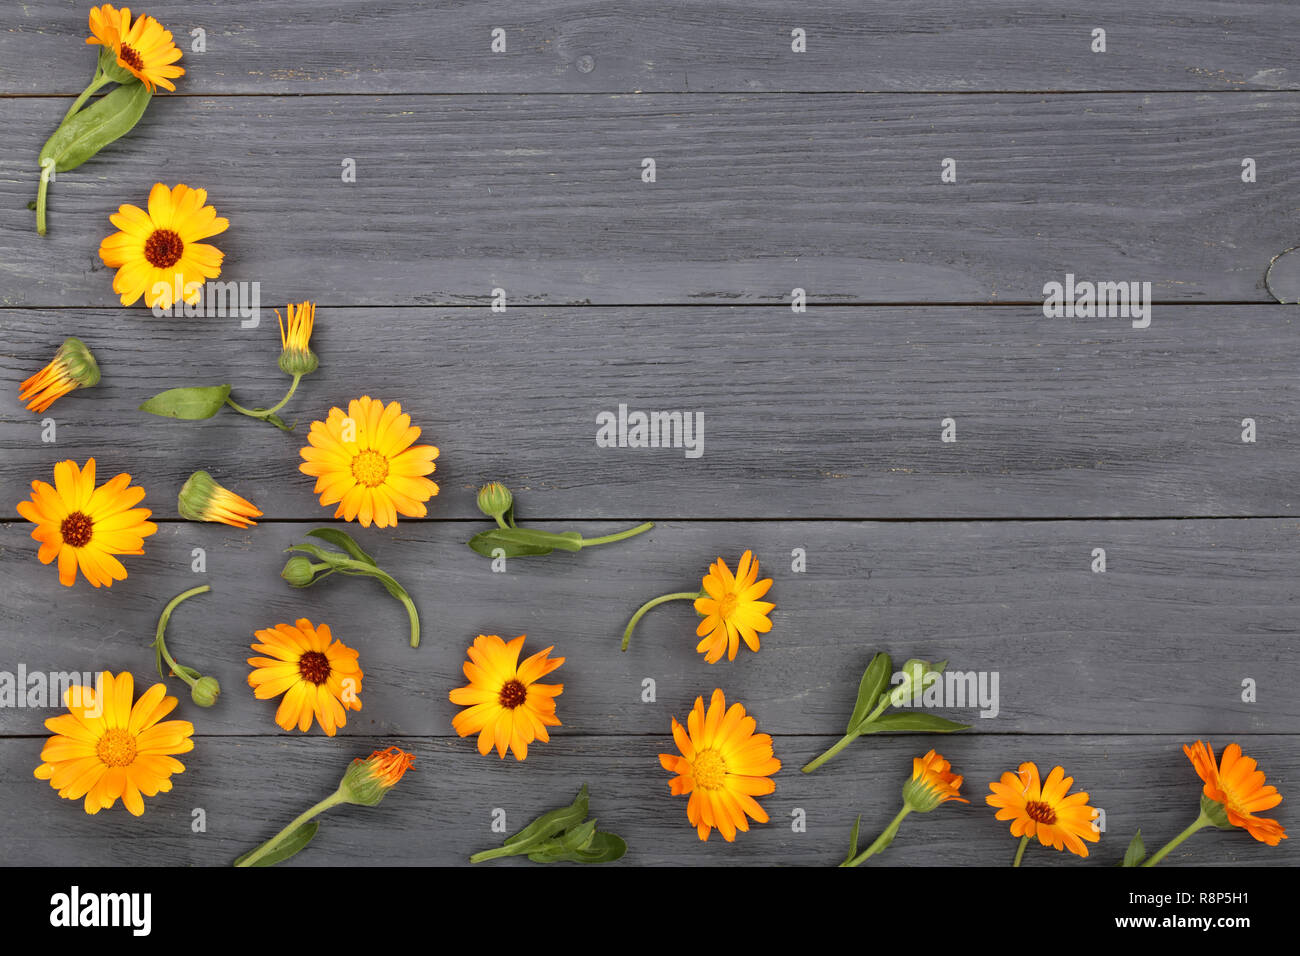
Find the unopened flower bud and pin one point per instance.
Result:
(915, 676)
(202, 499)
(205, 691)
(495, 499)
(367, 781)
(298, 571)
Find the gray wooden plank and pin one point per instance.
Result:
(442, 809)
(407, 46)
(1160, 643)
(834, 413)
(755, 196)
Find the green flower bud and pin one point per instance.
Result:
(495, 499)
(909, 691)
(205, 691)
(77, 362)
(298, 571)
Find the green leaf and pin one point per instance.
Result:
(93, 127)
(853, 839)
(521, 542)
(293, 841)
(1136, 852)
(191, 404)
(341, 539)
(912, 722)
(874, 679)
(551, 823)
(602, 848)
(316, 551)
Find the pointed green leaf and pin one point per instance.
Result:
(93, 127)
(343, 540)
(913, 722)
(853, 839)
(1136, 852)
(873, 682)
(521, 542)
(556, 821)
(190, 404)
(293, 841)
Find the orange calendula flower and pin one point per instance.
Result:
(732, 609)
(296, 356)
(503, 702)
(931, 783)
(202, 499)
(159, 254)
(1045, 809)
(143, 48)
(317, 675)
(108, 746)
(368, 464)
(1237, 783)
(367, 781)
(72, 367)
(723, 766)
(84, 526)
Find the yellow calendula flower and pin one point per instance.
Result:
(143, 48)
(203, 499)
(723, 765)
(504, 703)
(72, 367)
(1045, 809)
(84, 526)
(317, 675)
(731, 609)
(159, 254)
(367, 462)
(108, 747)
(296, 356)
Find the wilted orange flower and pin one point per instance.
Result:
(84, 526)
(317, 675)
(1238, 784)
(366, 462)
(503, 702)
(72, 367)
(1043, 809)
(367, 781)
(732, 609)
(143, 48)
(723, 766)
(203, 499)
(107, 747)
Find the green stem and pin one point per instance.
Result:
(1020, 850)
(621, 536)
(846, 739)
(663, 599)
(42, 192)
(882, 841)
(333, 800)
(497, 853)
(98, 80)
(349, 566)
(268, 414)
(1201, 821)
(161, 629)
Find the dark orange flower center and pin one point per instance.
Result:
(116, 748)
(76, 530)
(709, 770)
(131, 58)
(163, 248)
(314, 667)
(370, 468)
(513, 693)
(1040, 812)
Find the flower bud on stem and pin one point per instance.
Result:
(203, 690)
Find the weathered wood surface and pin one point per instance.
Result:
(566, 46)
(832, 413)
(442, 810)
(754, 196)
(1184, 614)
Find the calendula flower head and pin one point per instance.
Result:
(86, 527)
(1235, 788)
(367, 462)
(1045, 808)
(367, 781)
(317, 675)
(931, 783)
(504, 703)
(72, 367)
(203, 499)
(731, 609)
(495, 499)
(296, 356)
(723, 765)
(143, 49)
(109, 745)
(159, 254)
(916, 677)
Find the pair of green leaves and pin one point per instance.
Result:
(869, 716)
(562, 835)
(302, 573)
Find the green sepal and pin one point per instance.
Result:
(874, 679)
(293, 841)
(911, 722)
(190, 404)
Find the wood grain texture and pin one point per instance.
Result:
(755, 196)
(834, 413)
(1186, 611)
(579, 46)
(441, 811)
